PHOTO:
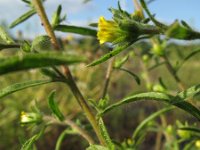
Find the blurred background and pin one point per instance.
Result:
(122, 121)
(82, 12)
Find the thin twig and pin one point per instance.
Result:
(173, 73)
(74, 126)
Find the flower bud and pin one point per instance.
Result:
(184, 134)
(42, 43)
(30, 118)
(170, 129)
(145, 58)
(158, 88)
(158, 47)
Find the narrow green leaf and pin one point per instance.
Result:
(192, 129)
(93, 24)
(62, 137)
(20, 86)
(105, 134)
(119, 62)
(49, 73)
(25, 46)
(187, 58)
(36, 60)
(189, 145)
(5, 37)
(156, 22)
(188, 108)
(157, 96)
(162, 83)
(28, 145)
(76, 29)
(155, 66)
(142, 96)
(23, 18)
(56, 16)
(185, 24)
(137, 79)
(141, 126)
(96, 147)
(7, 46)
(54, 107)
(27, 2)
(114, 52)
(189, 92)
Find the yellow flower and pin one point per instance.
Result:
(24, 117)
(197, 143)
(28, 118)
(109, 31)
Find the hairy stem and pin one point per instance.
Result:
(45, 22)
(108, 74)
(70, 81)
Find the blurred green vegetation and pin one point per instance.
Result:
(120, 122)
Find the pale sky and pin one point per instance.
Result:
(81, 14)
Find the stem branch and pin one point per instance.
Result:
(74, 126)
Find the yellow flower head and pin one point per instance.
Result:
(109, 31)
(197, 143)
(24, 117)
(27, 118)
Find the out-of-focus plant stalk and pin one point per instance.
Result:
(138, 8)
(149, 84)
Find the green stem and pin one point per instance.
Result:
(74, 126)
(148, 80)
(60, 140)
(108, 74)
(85, 107)
(70, 81)
(173, 73)
(4, 46)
